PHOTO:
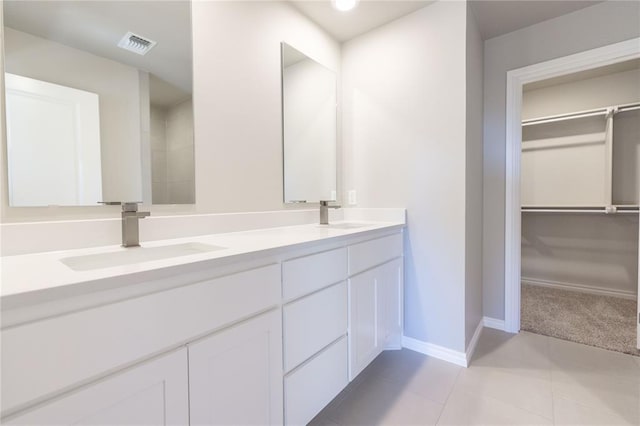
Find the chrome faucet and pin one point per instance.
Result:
(130, 222)
(324, 211)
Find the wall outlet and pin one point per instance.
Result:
(333, 195)
(352, 198)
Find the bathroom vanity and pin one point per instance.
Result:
(265, 329)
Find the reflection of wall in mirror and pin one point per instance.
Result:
(309, 132)
(118, 87)
(172, 154)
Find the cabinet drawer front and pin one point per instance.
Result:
(310, 388)
(307, 274)
(313, 322)
(365, 255)
(41, 358)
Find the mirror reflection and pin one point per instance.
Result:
(309, 128)
(98, 102)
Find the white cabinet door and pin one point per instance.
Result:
(235, 376)
(389, 282)
(151, 393)
(364, 344)
(375, 314)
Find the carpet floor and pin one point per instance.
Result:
(602, 321)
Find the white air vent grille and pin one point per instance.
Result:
(136, 43)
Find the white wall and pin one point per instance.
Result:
(237, 86)
(597, 92)
(405, 146)
(473, 223)
(595, 26)
(4, 196)
(593, 251)
(597, 252)
(118, 87)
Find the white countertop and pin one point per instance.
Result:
(37, 272)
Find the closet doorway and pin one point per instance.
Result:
(579, 194)
(579, 188)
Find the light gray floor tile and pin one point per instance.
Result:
(513, 379)
(322, 421)
(574, 357)
(526, 392)
(609, 393)
(332, 410)
(464, 408)
(523, 354)
(568, 412)
(425, 376)
(378, 402)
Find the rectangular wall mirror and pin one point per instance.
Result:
(98, 102)
(309, 128)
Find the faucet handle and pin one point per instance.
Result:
(325, 203)
(127, 206)
(130, 206)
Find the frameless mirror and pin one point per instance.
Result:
(309, 128)
(98, 102)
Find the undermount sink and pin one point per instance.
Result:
(345, 225)
(135, 255)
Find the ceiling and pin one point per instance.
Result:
(494, 18)
(98, 26)
(368, 15)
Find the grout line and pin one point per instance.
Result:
(446, 401)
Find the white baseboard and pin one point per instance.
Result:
(625, 294)
(455, 357)
(494, 323)
(474, 341)
(436, 351)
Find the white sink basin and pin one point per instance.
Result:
(133, 255)
(345, 225)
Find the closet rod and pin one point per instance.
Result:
(581, 114)
(600, 211)
(629, 108)
(563, 117)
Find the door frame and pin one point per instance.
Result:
(594, 58)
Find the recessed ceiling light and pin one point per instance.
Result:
(344, 5)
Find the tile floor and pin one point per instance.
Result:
(524, 379)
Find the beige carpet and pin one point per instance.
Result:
(602, 321)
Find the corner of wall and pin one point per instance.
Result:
(473, 178)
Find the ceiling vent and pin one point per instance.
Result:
(136, 44)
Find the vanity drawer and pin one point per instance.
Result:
(312, 386)
(46, 356)
(367, 254)
(307, 274)
(311, 323)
